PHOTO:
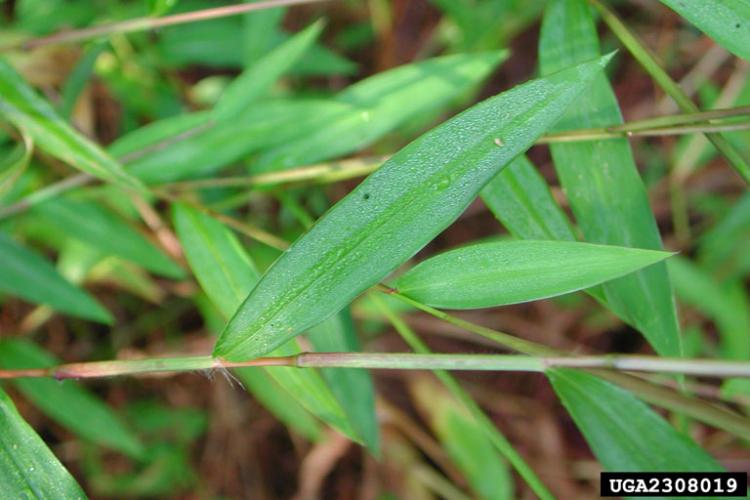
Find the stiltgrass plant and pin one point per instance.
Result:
(192, 188)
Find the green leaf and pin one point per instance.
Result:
(28, 469)
(394, 212)
(13, 165)
(509, 272)
(67, 403)
(726, 21)
(464, 440)
(21, 105)
(27, 275)
(76, 82)
(521, 200)
(381, 103)
(602, 183)
(227, 275)
(727, 304)
(96, 225)
(624, 433)
(256, 80)
(353, 387)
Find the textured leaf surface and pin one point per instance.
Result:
(96, 225)
(226, 274)
(28, 469)
(67, 402)
(602, 183)
(726, 21)
(394, 212)
(23, 107)
(509, 272)
(26, 274)
(622, 431)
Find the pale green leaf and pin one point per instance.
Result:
(394, 212)
(23, 107)
(26, 274)
(509, 272)
(602, 183)
(66, 402)
(28, 469)
(257, 79)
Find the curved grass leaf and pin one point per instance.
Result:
(602, 183)
(13, 165)
(96, 225)
(21, 105)
(66, 402)
(257, 79)
(726, 21)
(226, 274)
(624, 433)
(28, 469)
(509, 272)
(353, 387)
(464, 440)
(394, 212)
(28, 275)
(381, 103)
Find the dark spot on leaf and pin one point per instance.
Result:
(737, 25)
(366, 196)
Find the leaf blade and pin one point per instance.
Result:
(28, 275)
(510, 272)
(602, 182)
(414, 198)
(27, 466)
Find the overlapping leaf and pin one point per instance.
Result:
(395, 212)
(602, 183)
(624, 433)
(726, 21)
(227, 275)
(23, 107)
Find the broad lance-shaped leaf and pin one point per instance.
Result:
(98, 226)
(227, 275)
(509, 272)
(26, 274)
(624, 433)
(23, 107)
(258, 78)
(66, 402)
(726, 21)
(464, 440)
(397, 210)
(28, 469)
(601, 180)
